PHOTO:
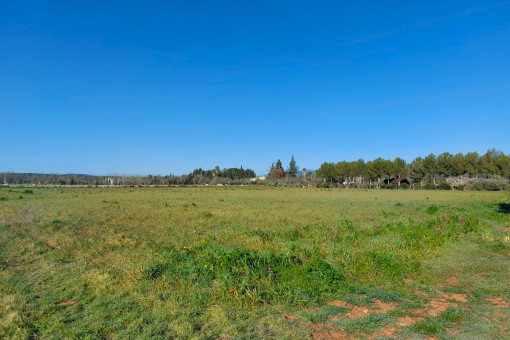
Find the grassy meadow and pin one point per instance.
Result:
(253, 263)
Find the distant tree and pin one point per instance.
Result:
(503, 164)
(417, 170)
(326, 171)
(340, 171)
(488, 162)
(279, 164)
(430, 166)
(378, 168)
(399, 167)
(444, 164)
(356, 171)
(370, 172)
(458, 164)
(292, 170)
(276, 171)
(388, 169)
(472, 160)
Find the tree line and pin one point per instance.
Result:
(196, 177)
(428, 172)
(433, 169)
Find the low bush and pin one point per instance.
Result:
(444, 186)
(489, 185)
(429, 186)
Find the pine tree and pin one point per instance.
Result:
(292, 170)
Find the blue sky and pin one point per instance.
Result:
(159, 87)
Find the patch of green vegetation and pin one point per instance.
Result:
(206, 214)
(453, 314)
(110, 202)
(430, 326)
(438, 325)
(432, 209)
(251, 277)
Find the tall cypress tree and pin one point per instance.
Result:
(292, 170)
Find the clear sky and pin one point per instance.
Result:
(159, 87)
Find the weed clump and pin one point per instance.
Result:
(206, 214)
(155, 270)
(110, 202)
(430, 326)
(432, 209)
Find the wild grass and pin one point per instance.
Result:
(232, 262)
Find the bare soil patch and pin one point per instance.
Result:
(334, 335)
(498, 302)
(68, 303)
(382, 307)
(340, 303)
(438, 305)
(434, 308)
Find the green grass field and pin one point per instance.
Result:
(253, 263)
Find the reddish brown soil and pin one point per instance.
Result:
(498, 302)
(433, 309)
(68, 303)
(340, 303)
(382, 307)
(334, 335)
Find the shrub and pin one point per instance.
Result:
(404, 186)
(460, 187)
(444, 186)
(28, 191)
(489, 185)
(429, 186)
